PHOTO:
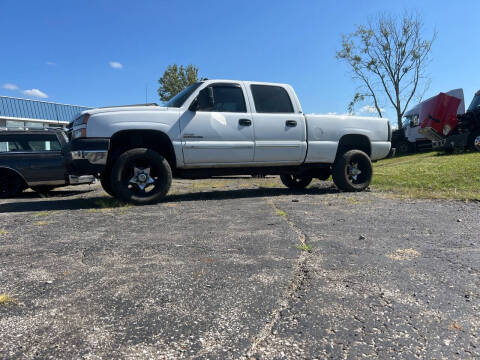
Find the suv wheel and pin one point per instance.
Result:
(10, 184)
(475, 141)
(141, 176)
(293, 182)
(352, 171)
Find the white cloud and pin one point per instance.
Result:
(10, 86)
(115, 65)
(370, 109)
(35, 93)
(51, 63)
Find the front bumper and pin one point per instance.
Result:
(94, 157)
(87, 156)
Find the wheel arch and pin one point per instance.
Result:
(156, 140)
(354, 142)
(16, 172)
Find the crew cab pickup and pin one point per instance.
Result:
(223, 127)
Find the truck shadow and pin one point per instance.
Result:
(55, 204)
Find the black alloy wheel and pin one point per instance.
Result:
(141, 176)
(352, 171)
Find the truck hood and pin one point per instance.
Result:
(126, 108)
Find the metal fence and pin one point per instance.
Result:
(11, 107)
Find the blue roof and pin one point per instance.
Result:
(34, 109)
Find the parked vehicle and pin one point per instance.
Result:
(410, 139)
(34, 159)
(443, 122)
(223, 127)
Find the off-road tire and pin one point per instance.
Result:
(342, 166)
(11, 184)
(123, 170)
(105, 181)
(293, 182)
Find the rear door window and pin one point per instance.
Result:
(29, 143)
(271, 99)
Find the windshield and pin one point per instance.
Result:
(183, 95)
(475, 103)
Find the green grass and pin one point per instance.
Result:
(430, 175)
(304, 247)
(5, 299)
(280, 212)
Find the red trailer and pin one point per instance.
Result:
(441, 123)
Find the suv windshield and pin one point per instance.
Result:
(475, 103)
(183, 95)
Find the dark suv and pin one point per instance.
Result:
(34, 159)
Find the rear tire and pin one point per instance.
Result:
(474, 141)
(11, 184)
(293, 182)
(352, 171)
(141, 176)
(403, 148)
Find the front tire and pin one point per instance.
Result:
(352, 171)
(141, 176)
(10, 184)
(293, 182)
(105, 181)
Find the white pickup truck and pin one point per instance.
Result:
(223, 127)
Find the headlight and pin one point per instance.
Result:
(79, 133)
(446, 129)
(80, 126)
(81, 120)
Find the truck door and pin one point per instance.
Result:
(280, 130)
(218, 128)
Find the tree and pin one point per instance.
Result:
(175, 79)
(388, 57)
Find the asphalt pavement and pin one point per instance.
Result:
(239, 269)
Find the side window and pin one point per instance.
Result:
(271, 99)
(9, 145)
(225, 99)
(44, 143)
(12, 143)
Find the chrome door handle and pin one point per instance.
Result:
(244, 122)
(291, 123)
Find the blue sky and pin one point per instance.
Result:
(68, 50)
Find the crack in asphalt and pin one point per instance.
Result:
(297, 282)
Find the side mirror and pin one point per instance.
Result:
(204, 101)
(194, 105)
(210, 96)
